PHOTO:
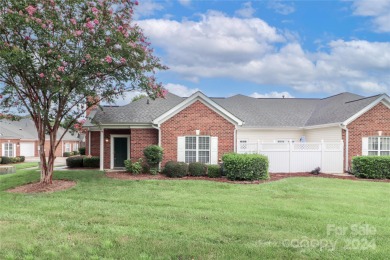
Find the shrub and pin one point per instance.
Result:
(245, 166)
(14, 159)
(372, 167)
(22, 158)
(214, 171)
(175, 169)
(316, 171)
(66, 154)
(153, 171)
(75, 152)
(82, 150)
(74, 161)
(134, 167)
(197, 169)
(6, 160)
(1, 158)
(153, 155)
(145, 168)
(91, 162)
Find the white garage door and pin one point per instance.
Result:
(27, 149)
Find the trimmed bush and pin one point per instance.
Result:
(82, 150)
(134, 167)
(153, 155)
(74, 161)
(91, 162)
(214, 171)
(22, 158)
(1, 158)
(248, 167)
(371, 167)
(197, 169)
(6, 160)
(175, 169)
(66, 154)
(76, 153)
(14, 159)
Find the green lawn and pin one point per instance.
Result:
(24, 165)
(103, 218)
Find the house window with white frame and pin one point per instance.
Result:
(197, 149)
(379, 145)
(75, 146)
(8, 149)
(67, 147)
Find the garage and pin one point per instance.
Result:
(27, 149)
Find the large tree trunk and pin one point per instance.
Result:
(47, 165)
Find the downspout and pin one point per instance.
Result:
(159, 133)
(159, 140)
(235, 139)
(89, 143)
(344, 127)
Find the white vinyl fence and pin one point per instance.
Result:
(298, 157)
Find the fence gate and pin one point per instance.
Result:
(298, 157)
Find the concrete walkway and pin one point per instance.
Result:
(60, 161)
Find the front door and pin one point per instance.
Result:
(120, 151)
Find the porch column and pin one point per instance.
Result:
(102, 149)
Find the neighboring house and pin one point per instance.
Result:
(20, 138)
(199, 128)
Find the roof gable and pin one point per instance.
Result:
(198, 96)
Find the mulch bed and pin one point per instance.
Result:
(273, 177)
(37, 187)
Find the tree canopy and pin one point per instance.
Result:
(55, 53)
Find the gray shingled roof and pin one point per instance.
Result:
(255, 112)
(141, 111)
(25, 129)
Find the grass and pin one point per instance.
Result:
(25, 165)
(102, 218)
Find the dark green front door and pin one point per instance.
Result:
(120, 151)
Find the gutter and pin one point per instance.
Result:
(344, 127)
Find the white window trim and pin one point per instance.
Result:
(378, 152)
(13, 149)
(197, 150)
(76, 147)
(112, 148)
(68, 148)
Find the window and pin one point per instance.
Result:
(75, 146)
(197, 149)
(67, 147)
(8, 149)
(379, 145)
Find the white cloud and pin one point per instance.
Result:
(185, 2)
(246, 11)
(147, 8)
(249, 49)
(273, 94)
(281, 8)
(180, 90)
(378, 10)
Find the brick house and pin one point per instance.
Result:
(20, 138)
(200, 128)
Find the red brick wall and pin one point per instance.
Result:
(95, 144)
(141, 138)
(368, 124)
(196, 117)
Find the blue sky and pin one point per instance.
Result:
(270, 48)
